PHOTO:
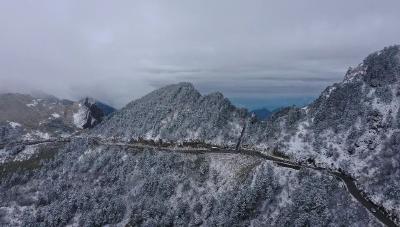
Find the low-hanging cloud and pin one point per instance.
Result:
(117, 51)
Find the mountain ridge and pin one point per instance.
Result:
(46, 116)
(177, 113)
(352, 129)
(351, 123)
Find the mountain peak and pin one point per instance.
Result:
(88, 100)
(177, 112)
(179, 86)
(179, 93)
(182, 87)
(185, 84)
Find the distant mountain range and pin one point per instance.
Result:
(262, 113)
(175, 157)
(46, 116)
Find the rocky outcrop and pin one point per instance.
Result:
(90, 113)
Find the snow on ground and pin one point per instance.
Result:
(36, 135)
(330, 91)
(236, 128)
(14, 213)
(3, 155)
(306, 109)
(387, 109)
(17, 156)
(297, 145)
(357, 72)
(43, 135)
(14, 124)
(286, 179)
(34, 103)
(90, 153)
(149, 135)
(230, 166)
(55, 115)
(193, 134)
(28, 136)
(26, 154)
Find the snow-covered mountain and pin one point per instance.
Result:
(177, 113)
(105, 177)
(44, 117)
(354, 126)
(88, 184)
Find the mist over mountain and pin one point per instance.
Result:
(271, 51)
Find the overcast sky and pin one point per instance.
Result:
(258, 53)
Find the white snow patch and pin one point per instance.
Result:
(43, 135)
(13, 214)
(14, 124)
(357, 72)
(386, 109)
(3, 155)
(36, 134)
(28, 136)
(193, 135)
(26, 154)
(55, 115)
(34, 103)
(149, 135)
(236, 128)
(296, 143)
(228, 167)
(65, 135)
(330, 91)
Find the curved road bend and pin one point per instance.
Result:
(351, 187)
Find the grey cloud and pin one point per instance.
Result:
(119, 50)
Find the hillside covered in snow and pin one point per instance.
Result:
(354, 127)
(176, 157)
(25, 117)
(177, 113)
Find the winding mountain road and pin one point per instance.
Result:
(351, 187)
